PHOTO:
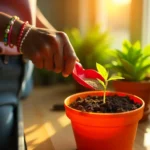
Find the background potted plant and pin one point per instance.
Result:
(133, 63)
(102, 119)
(92, 46)
(43, 77)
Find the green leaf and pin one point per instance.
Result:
(120, 54)
(115, 78)
(127, 66)
(136, 56)
(144, 60)
(137, 45)
(135, 52)
(143, 71)
(102, 83)
(146, 50)
(132, 52)
(117, 68)
(102, 71)
(126, 45)
(128, 76)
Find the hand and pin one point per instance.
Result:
(50, 50)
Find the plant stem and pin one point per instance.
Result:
(105, 87)
(104, 97)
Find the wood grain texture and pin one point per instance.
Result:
(51, 130)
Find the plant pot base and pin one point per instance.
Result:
(145, 115)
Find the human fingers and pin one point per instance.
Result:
(47, 55)
(37, 60)
(70, 58)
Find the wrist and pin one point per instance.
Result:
(23, 39)
(12, 36)
(16, 31)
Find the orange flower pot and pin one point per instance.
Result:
(104, 131)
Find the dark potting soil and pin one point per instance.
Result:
(114, 104)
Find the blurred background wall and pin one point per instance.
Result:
(111, 14)
(69, 13)
(61, 13)
(117, 16)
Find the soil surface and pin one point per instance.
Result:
(114, 104)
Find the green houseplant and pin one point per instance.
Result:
(92, 46)
(100, 121)
(133, 63)
(43, 77)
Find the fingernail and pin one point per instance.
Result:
(78, 59)
(65, 75)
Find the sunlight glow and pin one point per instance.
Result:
(121, 2)
(148, 130)
(146, 139)
(64, 121)
(50, 129)
(31, 128)
(38, 134)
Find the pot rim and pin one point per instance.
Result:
(107, 93)
(127, 81)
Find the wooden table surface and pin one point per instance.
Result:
(46, 129)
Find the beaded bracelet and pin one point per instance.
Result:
(9, 30)
(21, 34)
(23, 39)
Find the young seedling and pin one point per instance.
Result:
(105, 74)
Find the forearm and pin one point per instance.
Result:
(41, 21)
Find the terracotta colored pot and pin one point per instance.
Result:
(104, 131)
(141, 89)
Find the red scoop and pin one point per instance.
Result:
(79, 74)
